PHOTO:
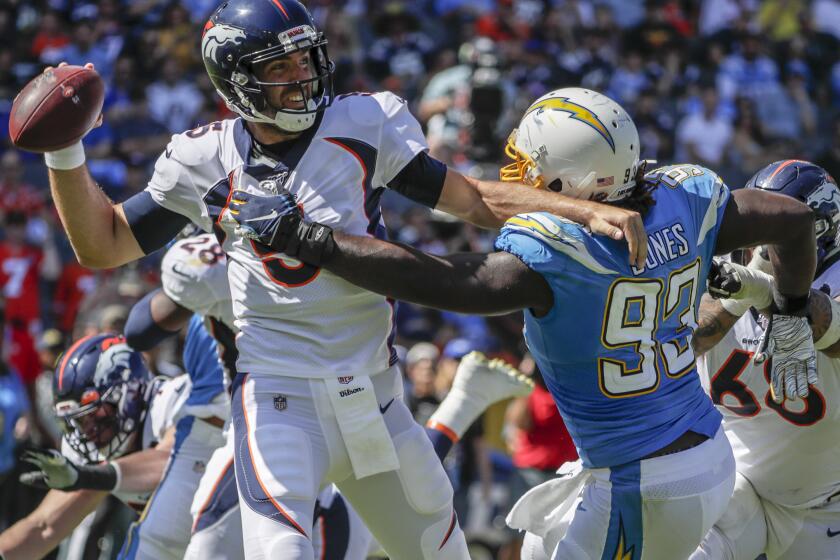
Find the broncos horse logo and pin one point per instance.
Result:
(217, 40)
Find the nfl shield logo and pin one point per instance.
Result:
(279, 402)
(345, 380)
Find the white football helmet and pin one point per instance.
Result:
(578, 142)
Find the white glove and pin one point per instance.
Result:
(789, 341)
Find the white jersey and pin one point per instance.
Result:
(294, 319)
(788, 452)
(166, 398)
(194, 274)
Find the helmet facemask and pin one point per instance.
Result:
(101, 426)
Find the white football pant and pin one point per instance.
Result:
(654, 509)
(752, 526)
(163, 530)
(288, 445)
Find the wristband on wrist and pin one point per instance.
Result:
(832, 333)
(70, 157)
(796, 306)
(98, 477)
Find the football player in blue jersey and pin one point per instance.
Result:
(613, 340)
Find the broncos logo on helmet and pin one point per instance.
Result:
(814, 186)
(99, 390)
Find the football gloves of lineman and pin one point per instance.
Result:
(277, 222)
(54, 470)
(788, 338)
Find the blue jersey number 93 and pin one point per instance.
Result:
(645, 331)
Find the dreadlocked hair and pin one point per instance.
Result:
(640, 198)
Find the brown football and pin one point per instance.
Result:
(56, 109)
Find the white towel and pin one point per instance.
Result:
(542, 509)
(362, 425)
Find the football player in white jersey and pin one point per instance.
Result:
(193, 277)
(121, 430)
(787, 494)
(315, 362)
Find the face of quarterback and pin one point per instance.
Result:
(295, 66)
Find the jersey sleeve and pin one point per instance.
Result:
(707, 196)
(174, 184)
(198, 284)
(401, 138)
(547, 244)
(167, 405)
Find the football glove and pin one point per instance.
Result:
(789, 341)
(732, 281)
(277, 222)
(724, 280)
(55, 471)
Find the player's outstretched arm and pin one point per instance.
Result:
(97, 228)
(754, 217)
(491, 203)
(53, 520)
(466, 283)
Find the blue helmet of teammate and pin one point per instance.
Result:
(99, 392)
(243, 33)
(813, 185)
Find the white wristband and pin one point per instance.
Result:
(70, 157)
(118, 484)
(832, 333)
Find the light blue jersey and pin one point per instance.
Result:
(201, 360)
(615, 349)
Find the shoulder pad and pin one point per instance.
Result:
(198, 145)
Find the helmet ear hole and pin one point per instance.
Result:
(556, 185)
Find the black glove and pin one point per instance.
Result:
(55, 471)
(277, 222)
(723, 280)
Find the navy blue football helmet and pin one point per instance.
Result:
(99, 392)
(813, 185)
(242, 33)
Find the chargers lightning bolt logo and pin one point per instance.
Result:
(621, 550)
(577, 112)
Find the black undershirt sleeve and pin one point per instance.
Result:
(153, 225)
(421, 180)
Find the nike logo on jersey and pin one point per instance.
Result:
(168, 152)
(384, 409)
(831, 534)
(269, 216)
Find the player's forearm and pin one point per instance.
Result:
(406, 274)
(141, 472)
(42, 530)
(713, 322)
(97, 230)
(794, 256)
(496, 201)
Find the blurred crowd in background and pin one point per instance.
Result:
(729, 84)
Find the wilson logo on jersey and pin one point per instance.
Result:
(577, 112)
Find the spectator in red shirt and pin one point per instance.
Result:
(50, 34)
(15, 194)
(74, 284)
(540, 441)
